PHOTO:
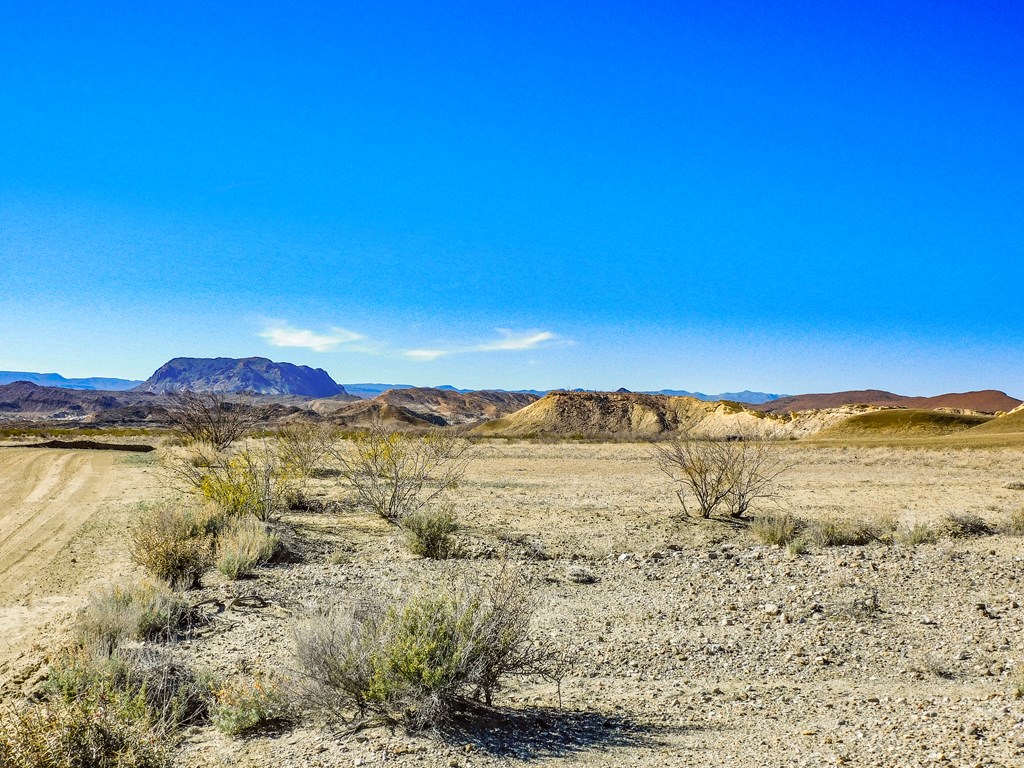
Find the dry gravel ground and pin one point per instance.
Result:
(697, 646)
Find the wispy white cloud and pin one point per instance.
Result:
(510, 341)
(426, 354)
(515, 341)
(282, 334)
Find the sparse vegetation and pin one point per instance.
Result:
(142, 610)
(835, 532)
(777, 530)
(211, 418)
(430, 532)
(174, 544)
(304, 447)
(246, 702)
(965, 525)
(916, 534)
(419, 658)
(1014, 524)
(712, 474)
(245, 544)
(395, 474)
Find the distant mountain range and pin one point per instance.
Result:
(56, 380)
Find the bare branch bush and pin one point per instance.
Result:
(730, 475)
(305, 446)
(211, 418)
(394, 473)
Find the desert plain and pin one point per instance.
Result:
(694, 643)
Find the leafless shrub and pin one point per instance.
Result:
(715, 474)
(394, 474)
(304, 447)
(424, 656)
(211, 418)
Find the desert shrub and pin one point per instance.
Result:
(304, 447)
(731, 475)
(395, 474)
(1014, 525)
(834, 532)
(211, 418)
(964, 526)
(777, 530)
(251, 482)
(172, 693)
(916, 534)
(245, 544)
(83, 733)
(130, 611)
(430, 532)
(419, 658)
(247, 702)
(175, 545)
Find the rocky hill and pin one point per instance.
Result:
(25, 399)
(425, 407)
(257, 375)
(983, 401)
(596, 414)
(56, 380)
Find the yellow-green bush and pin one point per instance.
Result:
(245, 544)
(430, 532)
(175, 545)
(247, 702)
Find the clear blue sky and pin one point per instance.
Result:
(781, 196)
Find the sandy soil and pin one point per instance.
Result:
(697, 645)
(61, 528)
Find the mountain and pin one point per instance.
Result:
(746, 396)
(248, 374)
(984, 401)
(56, 380)
(23, 398)
(369, 391)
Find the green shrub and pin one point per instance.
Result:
(965, 526)
(84, 733)
(420, 658)
(246, 703)
(171, 693)
(130, 611)
(918, 533)
(246, 544)
(777, 530)
(175, 545)
(430, 533)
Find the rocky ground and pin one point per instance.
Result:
(696, 645)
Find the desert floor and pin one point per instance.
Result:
(697, 645)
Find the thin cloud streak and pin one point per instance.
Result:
(284, 335)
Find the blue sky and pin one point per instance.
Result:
(787, 197)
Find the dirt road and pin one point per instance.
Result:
(62, 519)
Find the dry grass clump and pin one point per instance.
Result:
(88, 732)
(246, 703)
(965, 525)
(430, 532)
(916, 534)
(835, 532)
(777, 530)
(422, 657)
(175, 545)
(245, 544)
(1014, 525)
(131, 611)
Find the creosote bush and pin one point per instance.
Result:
(245, 544)
(777, 530)
(714, 476)
(175, 545)
(430, 532)
(131, 611)
(211, 418)
(394, 474)
(419, 658)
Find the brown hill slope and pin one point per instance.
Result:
(596, 414)
(22, 398)
(426, 406)
(984, 401)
